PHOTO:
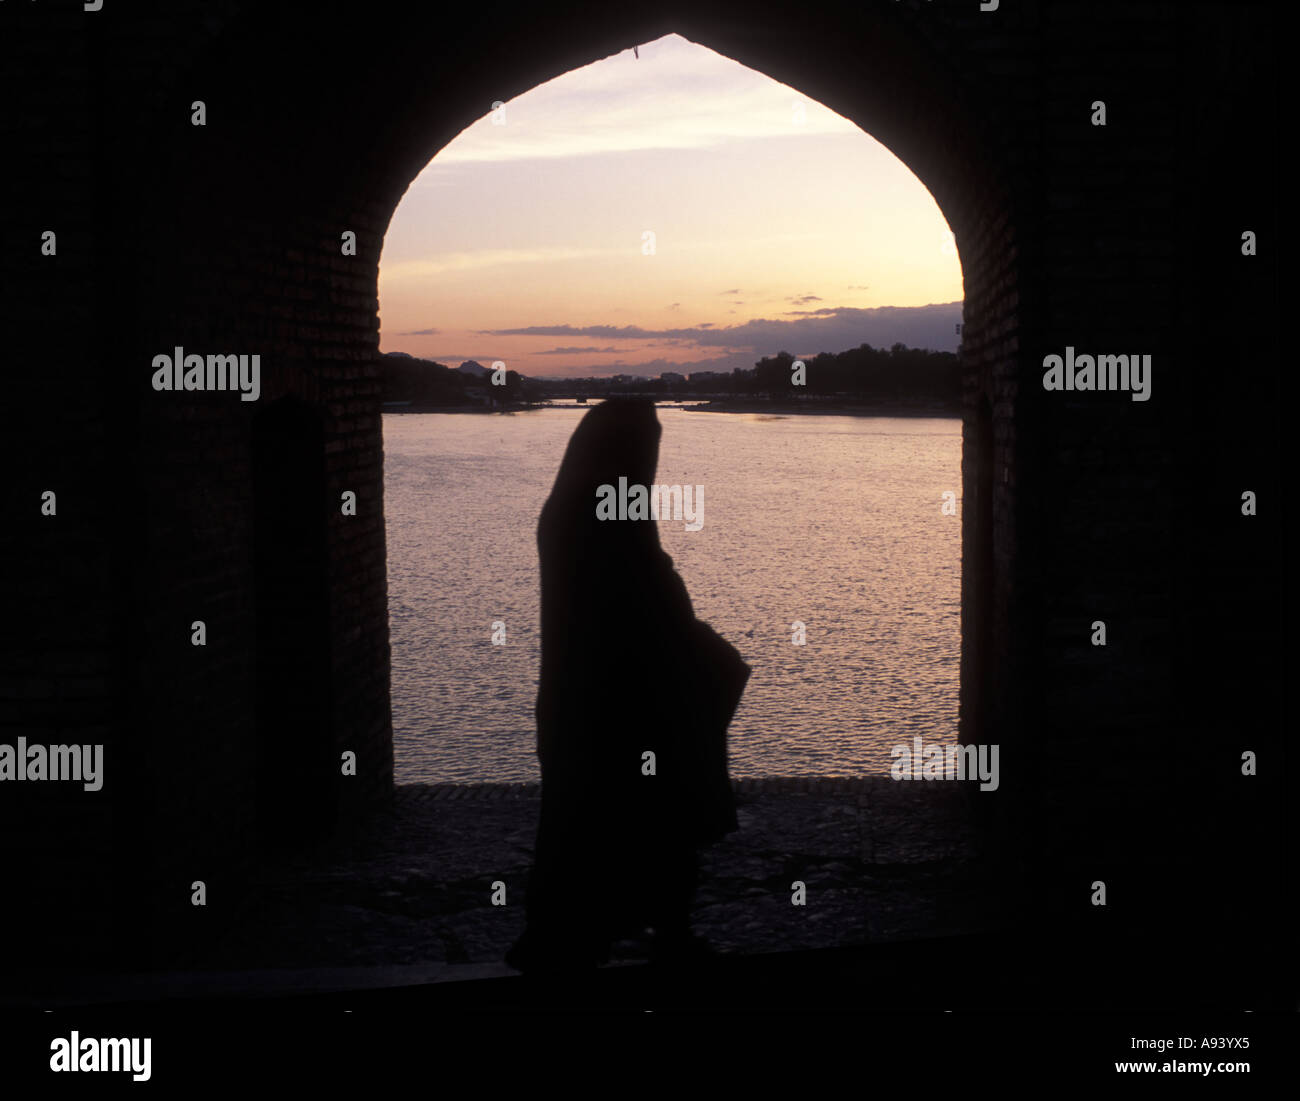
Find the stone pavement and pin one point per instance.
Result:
(882, 860)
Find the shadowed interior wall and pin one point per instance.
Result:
(295, 790)
(225, 239)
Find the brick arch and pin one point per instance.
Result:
(905, 93)
(905, 87)
(319, 128)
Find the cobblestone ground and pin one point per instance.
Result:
(882, 860)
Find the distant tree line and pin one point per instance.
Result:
(898, 375)
(901, 374)
(421, 381)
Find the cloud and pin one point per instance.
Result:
(457, 358)
(499, 257)
(734, 290)
(490, 258)
(835, 329)
(804, 299)
(420, 332)
(609, 332)
(574, 351)
(829, 329)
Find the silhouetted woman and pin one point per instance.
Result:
(633, 704)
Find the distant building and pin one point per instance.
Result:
(672, 376)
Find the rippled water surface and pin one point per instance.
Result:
(833, 521)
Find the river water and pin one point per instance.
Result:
(833, 521)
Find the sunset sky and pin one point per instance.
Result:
(778, 225)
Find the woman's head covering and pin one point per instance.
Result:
(617, 439)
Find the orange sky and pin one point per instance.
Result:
(777, 225)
